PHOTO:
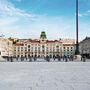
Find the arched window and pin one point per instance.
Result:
(57, 46)
(28, 46)
(43, 46)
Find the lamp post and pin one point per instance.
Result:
(77, 44)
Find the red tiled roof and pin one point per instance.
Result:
(32, 41)
(19, 44)
(38, 41)
(53, 41)
(68, 44)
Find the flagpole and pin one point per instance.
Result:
(77, 44)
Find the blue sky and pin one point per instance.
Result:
(27, 18)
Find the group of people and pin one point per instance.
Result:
(47, 58)
(59, 58)
(11, 59)
(83, 58)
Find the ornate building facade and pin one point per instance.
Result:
(43, 47)
(6, 47)
(68, 47)
(84, 47)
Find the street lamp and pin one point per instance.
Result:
(77, 44)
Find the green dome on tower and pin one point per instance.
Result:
(43, 35)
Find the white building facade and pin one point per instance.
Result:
(6, 47)
(84, 47)
(43, 47)
(68, 47)
(38, 48)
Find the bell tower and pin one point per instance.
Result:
(43, 35)
(43, 43)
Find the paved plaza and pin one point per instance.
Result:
(44, 76)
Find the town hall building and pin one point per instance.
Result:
(43, 47)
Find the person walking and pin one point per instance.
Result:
(21, 58)
(63, 57)
(11, 59)
(84, 59)
(8, 58)
(54, 57)
(59, 58)
(71, 58)
(30, 59)
(66, 59)
(47, 58)
(34, 58)
(17, 58)
(81, 57)
(26, 58)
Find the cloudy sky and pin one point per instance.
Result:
(27, 18)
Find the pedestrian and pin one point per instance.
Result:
(11, 59)
(44, 58)
(71, 58)
(26, 58)
(7, 58)
(63, 58)
(21, 58)
(81, 58)
(66, 59)
(47, 58)
(59, 58)
(84, 59)
(34, 58)
(54, 57)
(17, 58)
(30, 58)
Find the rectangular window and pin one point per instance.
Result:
(64, 48)
(71, 47)
(67, 47)
(67, 50)
(28, 49)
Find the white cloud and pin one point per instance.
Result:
(15, 22)
(8, 8)
(10, 15)
(55, 27)
(80, 15)
(7, 21)
(87, 13)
